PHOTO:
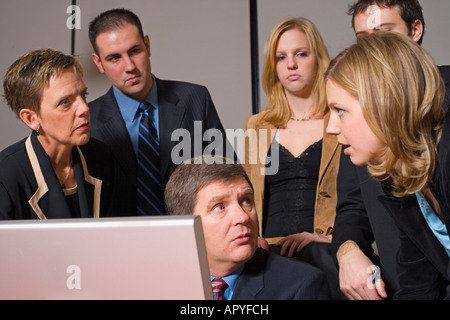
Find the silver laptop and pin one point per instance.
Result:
(160, 258)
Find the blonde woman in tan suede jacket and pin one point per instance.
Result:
(296, 197)
(294, 122)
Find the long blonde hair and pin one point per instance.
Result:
(278, 111)
(401, 94)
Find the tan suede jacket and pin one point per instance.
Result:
(326, 195)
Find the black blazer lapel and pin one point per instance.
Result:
(86, 210)
(407, 216)
(54, 196)
(171, 115)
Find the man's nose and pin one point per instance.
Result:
(129, 64)
(240, 216)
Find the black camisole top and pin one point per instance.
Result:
(290, 195)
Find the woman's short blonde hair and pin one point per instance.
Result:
(278, 107)
(401, 94)
(26, 78)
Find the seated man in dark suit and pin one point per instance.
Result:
(221, 193)
(138, 116)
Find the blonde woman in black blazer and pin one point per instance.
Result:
(385, 95)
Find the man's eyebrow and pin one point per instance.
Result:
(137, 45)
(361, 33)
(247, 191)
(217, 198)
(221, 197)
(386, 24)
(113, 55)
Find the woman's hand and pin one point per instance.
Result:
(353, 274)
(262, 243)
(296, 242)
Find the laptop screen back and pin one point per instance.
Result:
(108, 258)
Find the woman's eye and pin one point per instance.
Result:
(340, 112)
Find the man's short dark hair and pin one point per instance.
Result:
(410, 11)
(189, 177)
(112, 20)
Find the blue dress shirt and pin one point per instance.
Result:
(129, 108)
(231, 280)
(436, 225)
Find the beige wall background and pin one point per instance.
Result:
(201, 41)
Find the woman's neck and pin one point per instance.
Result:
(61, 160)
(301, 107)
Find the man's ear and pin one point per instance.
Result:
(147, 45)
(30, 118)
(98, 62)
(417, 30)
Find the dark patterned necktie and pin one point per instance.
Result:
(218, 287)
(150, 196)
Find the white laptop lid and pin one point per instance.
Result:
(108, 258)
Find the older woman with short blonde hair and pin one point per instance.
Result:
(57, 171)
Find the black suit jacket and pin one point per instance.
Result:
(445, 74)
(268, 276)
(362, 218)
(29, 188)
(180, 105)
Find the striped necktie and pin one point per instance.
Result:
(218, 287)
(150, 196)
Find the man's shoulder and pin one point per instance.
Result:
(302, 268)
(283, 278)
(179, 86)
(444, 68)
(445, 72)
(108, 96)
(274, 263)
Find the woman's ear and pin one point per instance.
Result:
(30, 118)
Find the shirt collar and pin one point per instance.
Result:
(231, 279)
(129, 107)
